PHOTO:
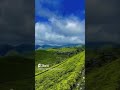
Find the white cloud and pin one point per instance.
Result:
(60, 31)
(68, 26)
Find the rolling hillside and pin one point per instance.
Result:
(67, 74)
(54, 55)
(102, 68)
(106, 77)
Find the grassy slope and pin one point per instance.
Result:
(105, 78)
(62, 76)
(53, 56)
(48, 57)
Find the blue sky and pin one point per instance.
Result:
(59, 22)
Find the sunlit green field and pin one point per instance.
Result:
(66, 72)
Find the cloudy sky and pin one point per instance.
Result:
(59, 22)
(16, 22)
(103, 21)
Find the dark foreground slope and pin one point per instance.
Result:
(106, 77)
(103, 68)
(16, 72)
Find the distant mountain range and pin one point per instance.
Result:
(4, 49)
(54, 46)
(23, 48)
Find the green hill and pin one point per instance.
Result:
(106, 77)
(102, 68)
(54, 56)
(48, 57)
(66, 75)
